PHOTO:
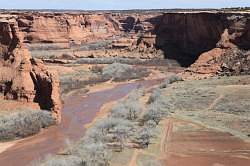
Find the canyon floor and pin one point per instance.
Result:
(202, 128)
(131, 88)
(209, 125)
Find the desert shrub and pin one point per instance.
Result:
(63, 161)
(136, 94)
(24, 123)
(96, 154)
(44, 46)
(69, 84)
(115, 70)
(172, 79)
(94, 46)
(93, 147)
(153, 115)
(94, 135)
(69, 160)
(123, 72)
(142, 137)
(158, 108)
(101, 132)
(97, 69)
(121, 132)
(127, 110)
(129, 61)
(154, 96)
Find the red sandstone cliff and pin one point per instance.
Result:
(66, 28)
(22, 77)
(209, 43)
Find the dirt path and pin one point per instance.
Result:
(78, 110)
(211, 106)
(134, 158)
(168, 127)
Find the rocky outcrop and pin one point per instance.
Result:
(230, 56)
(64, 29)
(131, 32)
(203, 41)
(23, 78)
(184, 36)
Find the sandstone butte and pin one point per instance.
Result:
(22, 77)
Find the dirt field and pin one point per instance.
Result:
(209, 126)
(186, 143)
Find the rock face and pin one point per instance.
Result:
(209, 43)
(230, 55)
(52, 31)
(23, 78)
(66, 28)
(184, 36)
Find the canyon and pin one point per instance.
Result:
(36, 45)
(182, 36)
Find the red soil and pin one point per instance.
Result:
(190, 144)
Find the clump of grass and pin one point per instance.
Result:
(24, 123)
(172, 79)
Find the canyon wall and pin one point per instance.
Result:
(22, 77)
(184, 36)
(66, 28)
(208, 43)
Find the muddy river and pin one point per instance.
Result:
(78, 110)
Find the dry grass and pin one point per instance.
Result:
(221, 103)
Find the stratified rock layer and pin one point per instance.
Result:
(209, 43)
(23, 78)
(230, 53)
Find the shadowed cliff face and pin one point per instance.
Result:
(184, 36)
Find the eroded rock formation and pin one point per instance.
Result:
(63, 29)
(209, 43)
(23, 78)
(230, 56)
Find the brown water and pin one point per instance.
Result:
(78, 110)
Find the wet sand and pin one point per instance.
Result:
(78, 110)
